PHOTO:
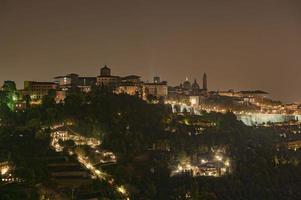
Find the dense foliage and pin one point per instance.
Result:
(148, 139)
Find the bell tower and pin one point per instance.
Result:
(205, 81)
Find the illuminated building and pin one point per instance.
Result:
(130, 85)
(194, 100)
(155, 89)
(195, 88)
(7, 172)
(36, 90)
(187, 89)
(68, 80)
(20, 105)
(4, 168)
(157, 79)
(189, 93)
(75, 81)
(60, 96)
(128, 89)
(106, 79)
(186, 85)
(294, 145)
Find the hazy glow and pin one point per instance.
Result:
(251, 44)
(258, 118)
(4, 170)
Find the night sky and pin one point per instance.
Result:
(241, 44)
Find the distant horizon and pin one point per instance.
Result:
(20, 84)
(240, 44)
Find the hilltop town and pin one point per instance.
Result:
(186, 93)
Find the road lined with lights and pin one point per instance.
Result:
(96, 173)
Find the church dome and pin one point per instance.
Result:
(195, 85)
(187, 84)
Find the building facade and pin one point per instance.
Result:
(130, 85)
(105, 79)
(37, 90)
(155, 89)
(75, 81)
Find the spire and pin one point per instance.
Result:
(205, 81)
(195, 85)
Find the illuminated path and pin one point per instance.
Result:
(96, 172)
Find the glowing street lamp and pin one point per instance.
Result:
(227, 163)
(121, 189)
(4, 170)
(218, 157)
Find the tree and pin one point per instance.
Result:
(9, 86)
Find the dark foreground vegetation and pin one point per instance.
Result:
(149, 140)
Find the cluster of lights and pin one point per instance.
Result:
(96, 172)
(121, 189)
(218, 166)
(93, 143)
(79, 140)
(6, 175)
(265, 109)
(4, 170)
(65, 135)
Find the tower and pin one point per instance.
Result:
(205, 81)
(157, 79)
(105, 71)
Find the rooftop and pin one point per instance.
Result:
(41, 83)
(254, 92)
